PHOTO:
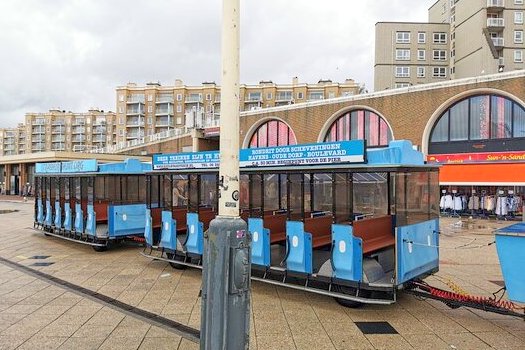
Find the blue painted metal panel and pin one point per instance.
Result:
(260, 242)
(417, 251)
(168, 237)
(397, 152)
(40, 211)
(124, 220)
(347, 254)
(299, 245)
(49, 214)
(68, 223)
(129, 166)
(58, 215)
(148, 229)
(195, 241)
(48, 168)
(510, 244)
(79, 218)
(91, 221)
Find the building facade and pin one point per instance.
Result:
(153, 108)
(62, 131)
(463, 38)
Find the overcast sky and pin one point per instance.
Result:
(73, 53)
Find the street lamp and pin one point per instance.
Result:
(225, 311)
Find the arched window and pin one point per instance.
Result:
(482, 123)
(358, 125)
(271, 134)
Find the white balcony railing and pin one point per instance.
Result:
(496, 22)
(495, 3)
(498, 42)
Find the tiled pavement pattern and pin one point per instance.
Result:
(37, 315)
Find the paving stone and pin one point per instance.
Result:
(42, 343)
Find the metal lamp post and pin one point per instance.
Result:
(225, 311)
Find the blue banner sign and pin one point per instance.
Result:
(80, 166)
(76, 166)
(305, 154)
(48, 168)
(189, 160)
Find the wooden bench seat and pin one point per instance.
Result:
(277, 226)
(376, 233)
(206, 216)
(321, 229)
(101, 209)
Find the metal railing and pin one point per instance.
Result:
(495, 22)
(498, 42)
(495, 3)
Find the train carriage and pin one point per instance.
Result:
(91, 203)
(330, 218)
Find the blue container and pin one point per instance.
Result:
(510, 243)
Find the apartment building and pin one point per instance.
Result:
(463, 38)
(13, 140)
(58, 130)
(153, 108)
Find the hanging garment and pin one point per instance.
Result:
(442, 202)
(501, 206)
(458, 203)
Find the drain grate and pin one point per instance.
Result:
(42, 264)
(376, 328)
(39, 257)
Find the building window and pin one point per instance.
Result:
(121, 98)
(300, 95)
(402, 55)
(150, 97)
(121, 121)
(421, 37)
(121, 132)
(401, 85)
(518, 2)
(440, 38)
(120, 109)
(439, 72)
(518, 17)
(518, 36)
(421, 55)
(403, 37)
(150, 109)
(316, 95)
(269, 96)
(179, 108)
(331, 94)
(420, 72)
(518, 56)
(179, 97)
(439, 55)
(150, 120)
(360, 125)
(402, 72)
(271, 134)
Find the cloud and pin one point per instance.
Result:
(73, 53)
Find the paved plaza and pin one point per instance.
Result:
(37, 314)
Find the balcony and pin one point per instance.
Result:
(135, 99)
(164, 111)
(501, 62)
(193, 99)
(492, 4)
(99, 130)
(498, 42)
(283, 97)
(99, 138)
(39, 122)
(39, 130)
(58, 147)
(58, 139)
(78, 130)
(38, 138)
(38, 148)
(495, 23)
(134, 122)
(59, 123)
(135, 111)
(58, 130)
(79, 122)
(78, 139)
(164, 99)
(164, 122)
(134, 135)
